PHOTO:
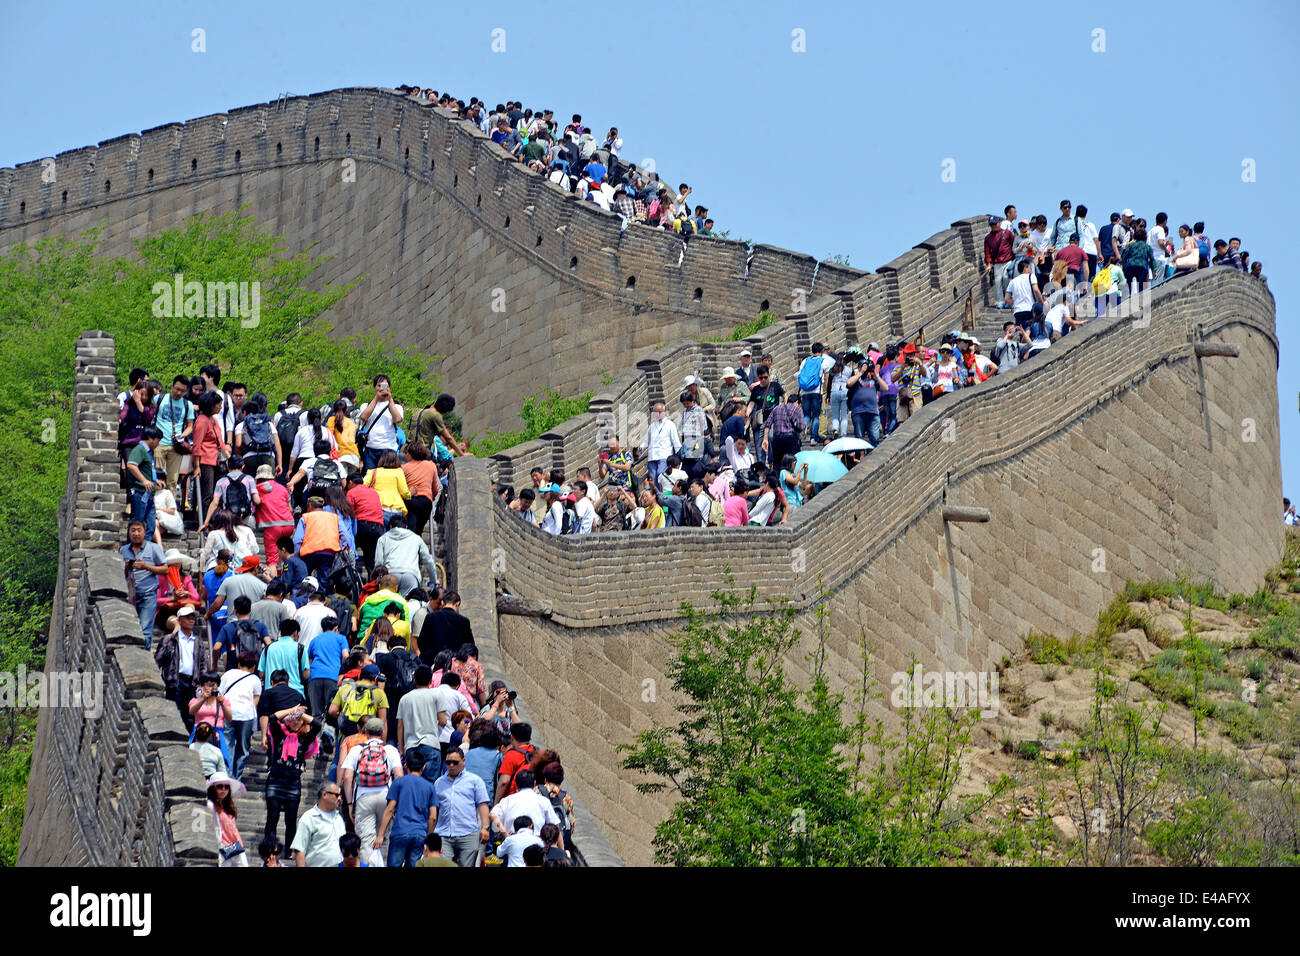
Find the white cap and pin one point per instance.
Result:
(728, 372)
(973, 340)
(186, 611)
(690, 379)
(1127, 212)
(744, 352)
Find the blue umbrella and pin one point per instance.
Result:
(822, 468)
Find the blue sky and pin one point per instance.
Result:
(836, 149)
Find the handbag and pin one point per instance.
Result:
(231, 851)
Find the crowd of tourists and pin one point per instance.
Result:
(577, 161)
(730, 456)
(308, 617)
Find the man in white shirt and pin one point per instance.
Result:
(379, 420)
(585, 509)
(310, 615)
(1022, 291)
(662, 441)
(243, 689)
(317, 841)
(450, 700)
(366, 804)
(525, 801)
(512, 850)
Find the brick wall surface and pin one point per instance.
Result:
(113, 782)
(437, 228)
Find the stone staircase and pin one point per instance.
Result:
(252, 806)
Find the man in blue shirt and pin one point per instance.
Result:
(146, 562)
(461, 813)
(325, 656)
(212, 582)
(285, 654)
(412, 809)
(175, 419)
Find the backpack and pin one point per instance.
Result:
(324, 474)
(342, 610)
(557, 804)
(404, 665)
(372, 765)
(528, 756)
(717, 517)
(810, 374)
(358, 704)
(287, 429)
(567, 523)
(1203, 247)
(236, 500)
(691, 516)
(257, 435)
(247, 638)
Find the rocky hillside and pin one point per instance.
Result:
(1167, 736)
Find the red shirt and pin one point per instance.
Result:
(207, 440)
(997, 247)
(513, 762)
(1072, 255)
(365, 504)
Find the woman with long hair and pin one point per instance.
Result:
(225, 532)
(840, 373)
(336, 501)
(221, 801)
(1188, 256)
(308, 434)
(343, 430)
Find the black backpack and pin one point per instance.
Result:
(247, 638)
(236, 500)
(567, 523)
(557, 804)
(258, 438)
(287, 429)
(404, 665)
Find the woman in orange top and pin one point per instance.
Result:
(209, 442)
(422, 478)
(343, 429)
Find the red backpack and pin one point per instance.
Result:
(372, 765)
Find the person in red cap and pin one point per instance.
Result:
(909, 382)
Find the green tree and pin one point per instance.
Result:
(767, 775)
(53, 291)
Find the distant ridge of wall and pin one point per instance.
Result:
(439, 227)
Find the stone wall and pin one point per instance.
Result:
(113, 781)
(437, 229)
(1120, 444)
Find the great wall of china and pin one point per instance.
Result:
(1125, 441)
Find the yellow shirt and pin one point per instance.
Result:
(346, 437)
(392, 488)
